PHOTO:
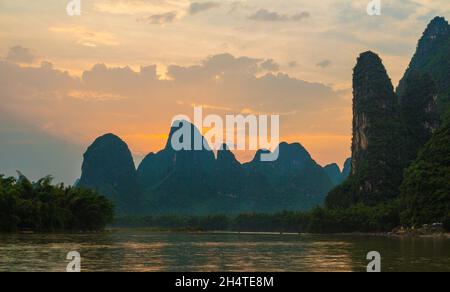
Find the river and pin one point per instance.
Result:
(141, 250)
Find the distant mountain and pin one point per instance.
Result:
(194, 182)
(228, 177)
(334, 173)
(178, 181)
(109, 168)
(292, 182)
(197, 183)
(347, 168)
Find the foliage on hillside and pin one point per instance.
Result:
(425, 191)
(419, 113)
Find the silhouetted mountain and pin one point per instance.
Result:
(194, 182)
(292, 182)
(334, 173)
(179, 181)
(347, 169)
(229, 176)
(109, 168)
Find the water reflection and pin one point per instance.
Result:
(137, 250)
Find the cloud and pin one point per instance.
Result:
(215, 66)
(104, 79)
(26, 148)
(161, 19)
(236, 6)
(120, 98)
(300, 16)
(266, 15)
(94, 95)
(324, 64)
(400, 9)
(138, 7)
(87, 37)
(270, 66)
(293, 64)
(26, 82)
(136, 103)
(20, 54)
(197, 7)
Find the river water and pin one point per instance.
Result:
(141, 250)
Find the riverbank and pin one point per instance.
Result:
(445, 235)
(437, 233)
(403, 234)
(318, 221)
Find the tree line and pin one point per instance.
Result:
(42, 206)
(358, 218)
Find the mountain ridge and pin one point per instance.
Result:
(198, 183)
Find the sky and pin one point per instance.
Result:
(129, 66)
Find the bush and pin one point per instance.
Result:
(41, 206)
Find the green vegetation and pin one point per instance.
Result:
(425, 191)
(359, 218)
(424, 195)
(382, 218)
(41, 206)
(401, 152)
(419, 114)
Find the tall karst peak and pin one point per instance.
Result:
(432, 57)
(437, 32)
(333, 172)
(377, 137)
(438, 26)
(292, 151)
(108, 167)
(374, 101)
(369, 77)
(182, 129)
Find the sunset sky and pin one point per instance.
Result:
(129, 66)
